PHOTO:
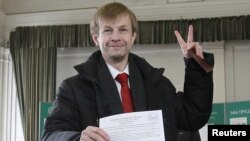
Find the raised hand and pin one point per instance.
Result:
(193, 49)
(188, 48)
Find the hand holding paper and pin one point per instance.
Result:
(135, 126)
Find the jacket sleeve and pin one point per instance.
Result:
(62, 136)
(194, 105)
(63, 122)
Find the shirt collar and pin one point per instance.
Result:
(114, 72)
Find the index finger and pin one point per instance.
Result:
(190, 34)
(179, 38)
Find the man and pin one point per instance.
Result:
(95, 92)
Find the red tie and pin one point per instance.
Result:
(127, 102)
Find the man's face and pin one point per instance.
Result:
(115, 38)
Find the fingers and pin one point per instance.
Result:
(179, 38)
(190, 34)
(92, 133)
(189, 46)
(189, 39)
(181, 42)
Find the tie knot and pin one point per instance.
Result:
(122, 78)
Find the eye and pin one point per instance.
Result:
(107, 30)
(123, 30)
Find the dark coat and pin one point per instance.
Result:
(189, 136)
(92, 94)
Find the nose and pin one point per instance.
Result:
(115, 36)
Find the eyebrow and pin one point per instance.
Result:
(106, 26)
(122, 26)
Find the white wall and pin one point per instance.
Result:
(237, 68)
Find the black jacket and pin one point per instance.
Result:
(189, 136)
(83, 99)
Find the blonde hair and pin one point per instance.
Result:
(111, 11)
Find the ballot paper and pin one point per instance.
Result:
(134, 126)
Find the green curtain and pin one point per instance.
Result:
(34, 48)
(205, 30)
(51, 36)
(150, 32)
(35, 71)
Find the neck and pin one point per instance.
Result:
(118, 62)
(120, 65)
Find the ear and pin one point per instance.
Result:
(95, 38)
(134, 36)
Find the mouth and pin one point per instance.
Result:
(116, 46)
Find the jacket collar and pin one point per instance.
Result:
(89, 68)
(96, 71)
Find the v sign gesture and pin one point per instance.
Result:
(189, 46)
(193, 49)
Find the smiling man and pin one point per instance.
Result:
(114, 31)
(114, 81)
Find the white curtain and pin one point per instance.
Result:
(10, 120)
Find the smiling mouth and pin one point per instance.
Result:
(116, 46)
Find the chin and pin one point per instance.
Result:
(117, 58)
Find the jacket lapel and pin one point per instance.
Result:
(108, 90)
(137, 86)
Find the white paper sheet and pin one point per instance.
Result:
(135, 126)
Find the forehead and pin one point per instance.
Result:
(120, 20)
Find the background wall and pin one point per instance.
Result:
(237, 68)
